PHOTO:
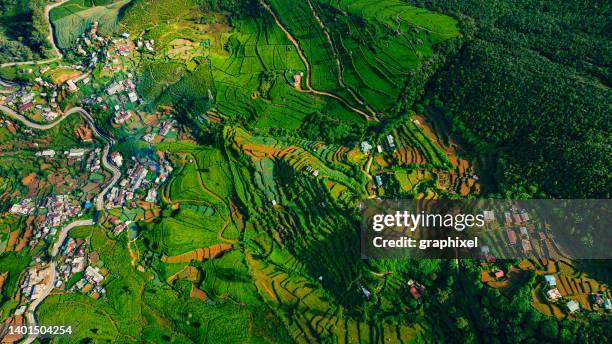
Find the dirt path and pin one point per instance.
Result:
(338, 63)
(309, 88)
(233, 209)
(202, 185)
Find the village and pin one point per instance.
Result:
(99, 81)
(52, 212)
(516, 233)
(100, 61)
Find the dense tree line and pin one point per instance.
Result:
(236, 8)
(531, 85)
(328, 128)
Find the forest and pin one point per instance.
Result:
(530, 87)
(23, 30)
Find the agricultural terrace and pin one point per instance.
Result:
(201, 191)
(374, 46)
(255, 82)
(139, 308)
(74, 17)
(314, 317)
(296, 158)
(176, 72)
(251, 65)
(164, 21)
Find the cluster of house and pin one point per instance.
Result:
(163, 131)
(44, 96)
(74, 261)
(554, 295)
(90, 43)
(55, 211)
(23, 208)
(414, 288)
(516, 217)
(118, 87)
(147, 44)
(129, 188)
(33, 285)
(74, 153)
(521, 219)
(525, 243)
(119, 226)
(312, 171)
(25, 101)
(93, 161)
(366, 147)
(59, 209)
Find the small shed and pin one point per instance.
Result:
(512, 237)
(415, 293)
(573, 306)
(553, 294)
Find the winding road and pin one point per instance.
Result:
(30, 317)
(99, 202)
(338, 63)
(89, 119)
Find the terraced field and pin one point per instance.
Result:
(73, 18)
(364, 51)
(261, 216)
(255, 82)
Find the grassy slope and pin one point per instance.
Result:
(379, 43)
(136, 310)
(73, 18)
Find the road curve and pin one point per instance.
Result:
(105, 162)
(58, 53)
(29, 313)
(64, 232)
(89, 119)
(13, 114)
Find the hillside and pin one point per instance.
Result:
(23, 30)
(531, 86)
